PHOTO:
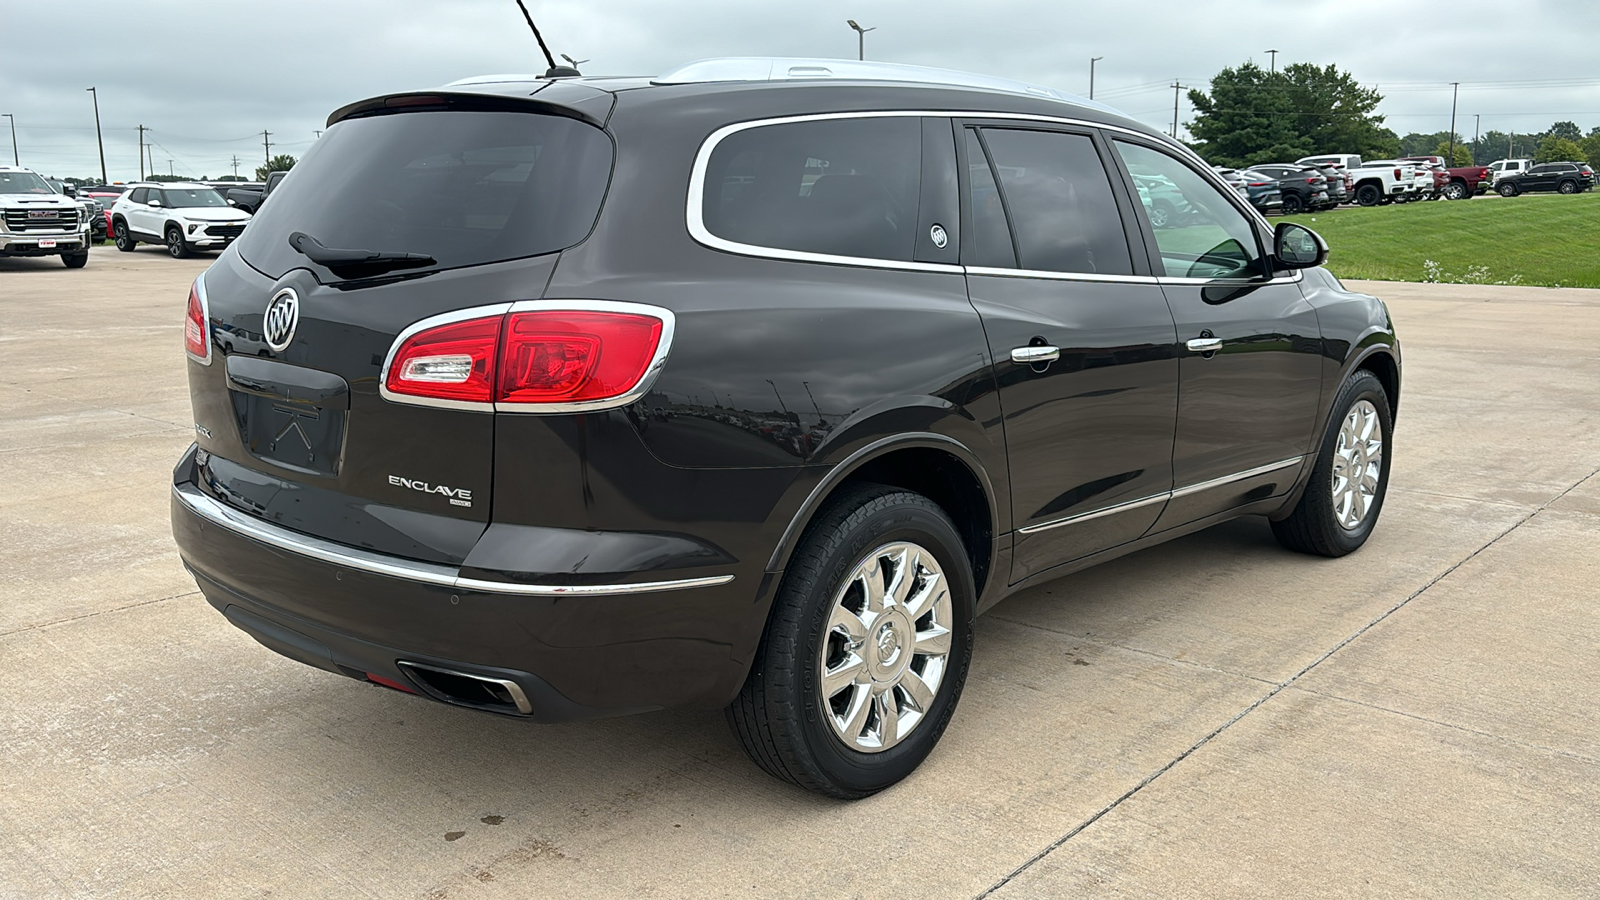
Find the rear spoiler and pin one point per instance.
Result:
(572, 101)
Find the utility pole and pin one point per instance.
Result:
(861, 38)
(779, 396)
(1092, 61)
(97, 137)
(14, 157)
(169, 168)
(1455, 91)
(142, 130)
(236, 165)
(318, 131)
(266, 147)
(1176, 89)
(1475, 118)
(1274, 55)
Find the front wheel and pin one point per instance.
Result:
(75, 260)
(1292, 204)
(1350, 477)
(866, 648)
(125, 241)
(177, 248)
(1507, 190)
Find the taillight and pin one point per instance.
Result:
(196, 328)
(538, 356)
(1397, 175)
(452, 361)
(573, 356)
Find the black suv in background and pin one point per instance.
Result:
(747, 386)
(1562, 177)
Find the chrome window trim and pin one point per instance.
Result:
(651, 372)
(458, 315)
(205, 316)
(1162, 497)
(396, 567)
(694, 210)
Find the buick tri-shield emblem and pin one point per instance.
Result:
(283, 314)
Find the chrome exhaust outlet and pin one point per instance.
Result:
(467, 689)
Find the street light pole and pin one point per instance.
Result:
(1475, 118)
(1092, 61)
(14, 157)
(98, 138)
(861, 37)
(1454, 93)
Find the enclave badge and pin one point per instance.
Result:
(283, 315)
(457, 496)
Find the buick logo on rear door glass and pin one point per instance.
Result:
(283, 314)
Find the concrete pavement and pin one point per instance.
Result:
(1214, 717)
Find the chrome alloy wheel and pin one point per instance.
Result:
(886, 649)
(1357, 464)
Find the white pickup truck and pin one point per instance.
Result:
(1383, 180)
(1500, 168)
(37, 221)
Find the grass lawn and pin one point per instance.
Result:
(1539, 239)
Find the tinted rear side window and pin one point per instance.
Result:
(841, 187)
(463, 187)
(1059, 196)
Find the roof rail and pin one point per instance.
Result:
(751, 68)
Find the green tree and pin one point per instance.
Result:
(1591, 148)
(1415, 144)
(1558, 149)
(1568, 130)
(1462, 157)
(1253, 116)
(283, 162)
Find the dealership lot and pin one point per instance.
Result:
(1212, 717)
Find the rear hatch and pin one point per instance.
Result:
(409, 212)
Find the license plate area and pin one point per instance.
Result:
(291, 434)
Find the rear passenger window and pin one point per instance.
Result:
(840, 187)
(988, 243)
(1059, 196)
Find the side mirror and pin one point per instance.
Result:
(233, 203)
(1298, 247)
(69, 190)
(154, 203)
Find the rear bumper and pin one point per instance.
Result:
(570, 651)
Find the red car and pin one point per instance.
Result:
(105, 198)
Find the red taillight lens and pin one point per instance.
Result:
(571, 356)
(1398, 175)
(195, 338)
(455, 361)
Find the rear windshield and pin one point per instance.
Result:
(462, 187)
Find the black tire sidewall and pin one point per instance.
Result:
(853, 772)
(1292, 205)
(123, 238)
(176, 250)
(1367, 195)
(1363, 386)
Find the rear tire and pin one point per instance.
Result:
(177, 247)
(1507, 190)
(1345, 492)
(1368, 195)
(802, 715)
(1568, 187)
(1292, 205)
(125, 241)
(75, 260)
(1161, 214)
(1455, 190)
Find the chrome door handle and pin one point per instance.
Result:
(1028, 356)
(1205, 344)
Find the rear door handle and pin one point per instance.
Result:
(1028, 356)
(1203, 344)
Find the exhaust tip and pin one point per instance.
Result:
(467, 689)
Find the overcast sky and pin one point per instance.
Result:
(208, 77)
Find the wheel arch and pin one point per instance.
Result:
(937, 466)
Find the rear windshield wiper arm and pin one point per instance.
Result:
(349, 262)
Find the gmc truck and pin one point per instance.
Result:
(37, 221)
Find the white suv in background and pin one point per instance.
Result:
(1500, 168)
(185, 217)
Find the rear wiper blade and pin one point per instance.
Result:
(342, 262)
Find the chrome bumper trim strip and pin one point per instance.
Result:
(405, 569)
